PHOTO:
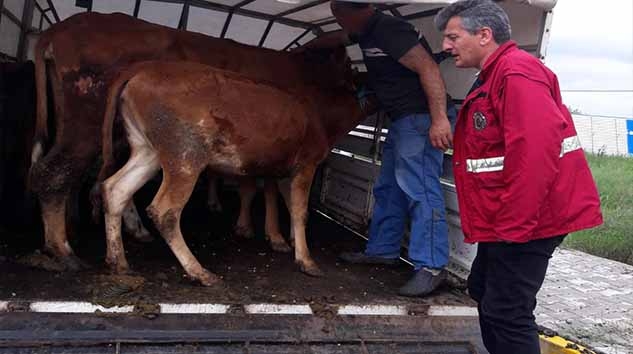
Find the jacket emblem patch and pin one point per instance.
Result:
(480, 121)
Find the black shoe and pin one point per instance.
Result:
(422, 283)
(362, 258)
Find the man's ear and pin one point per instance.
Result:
(486, 36)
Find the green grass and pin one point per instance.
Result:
(614, 239)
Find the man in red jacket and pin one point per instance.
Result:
(522, 179)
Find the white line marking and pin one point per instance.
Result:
(464, 311)
(194, 308)
(373, 310)
(75, 307)
(276, 309)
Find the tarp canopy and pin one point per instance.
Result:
(275, 24)
(544, 4)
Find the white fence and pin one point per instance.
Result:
(605, 135)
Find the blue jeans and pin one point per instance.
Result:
(408, 188)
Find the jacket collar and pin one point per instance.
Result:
(490, 62)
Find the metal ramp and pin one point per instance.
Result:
(224, 334)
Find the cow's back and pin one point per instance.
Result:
(88, 49)
(257, 63)
(98, 42)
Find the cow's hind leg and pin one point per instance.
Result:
(52, 179)
(55, 232)
(297, 200)
(166, 210)
(117, 194)
(244, 226)
(273, 234)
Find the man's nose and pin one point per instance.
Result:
(446, 46)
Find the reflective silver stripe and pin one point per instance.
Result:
(570, 144)
(492, 164)
(485, 165)
(374, 52)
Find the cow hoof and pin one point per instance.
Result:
(119, 268)
(72, 263)
(209, 279)
(311, 269)
(280, 246)
(243, 231)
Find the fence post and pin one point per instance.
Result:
(592, 133)
(617, 143)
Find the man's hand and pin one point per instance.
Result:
(421, 62)
(440, 134)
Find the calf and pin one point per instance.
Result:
(184, 117)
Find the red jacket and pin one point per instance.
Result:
(519, 168)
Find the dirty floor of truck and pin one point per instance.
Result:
(251, 271)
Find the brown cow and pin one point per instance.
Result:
(183, 117)
(76, 55)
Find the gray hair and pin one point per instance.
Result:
(475, 15)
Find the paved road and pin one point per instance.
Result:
(590, 299)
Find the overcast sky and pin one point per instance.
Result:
(591, 48)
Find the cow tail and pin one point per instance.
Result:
(112, 101)
(40, 138)
(107, 141)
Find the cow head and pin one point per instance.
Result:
(329, 68)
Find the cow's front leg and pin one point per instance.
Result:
(244, 226)
(277, 242)
(213, 199)
(297, 201)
